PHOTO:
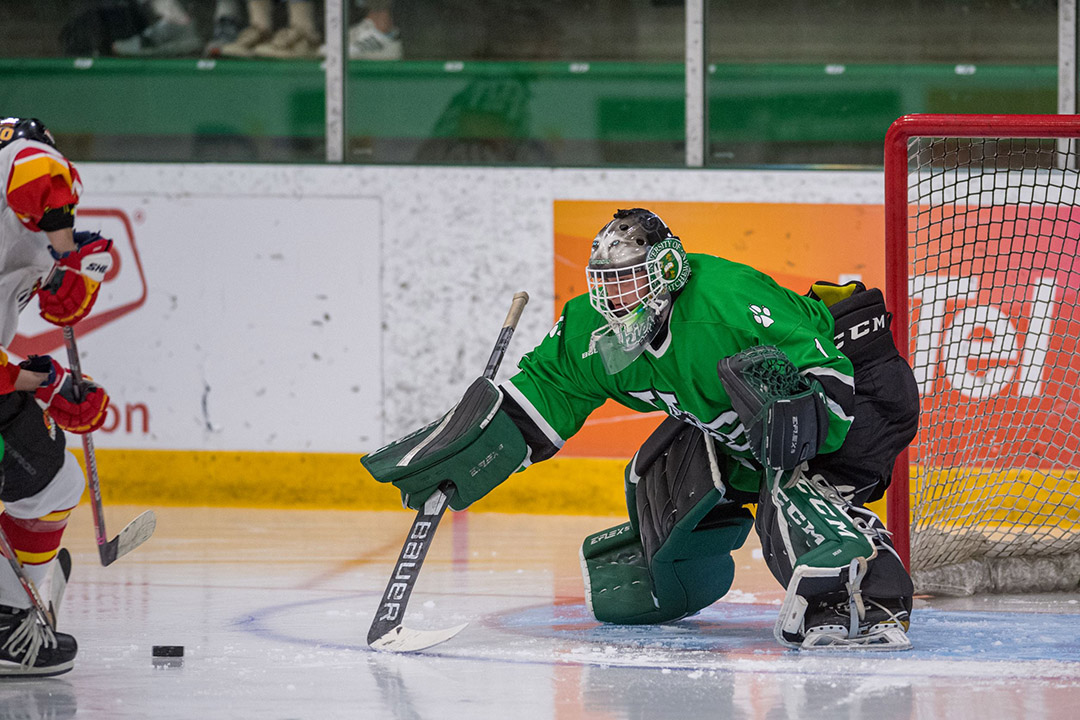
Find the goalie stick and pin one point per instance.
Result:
(138, 530)
(387, 631)
(59, 575)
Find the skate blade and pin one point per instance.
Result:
(893, 638)
(14, 670)
(402, 639)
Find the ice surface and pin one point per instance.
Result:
(273, 607)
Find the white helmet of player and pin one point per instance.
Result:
(635, 266)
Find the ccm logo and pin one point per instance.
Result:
(866, 327)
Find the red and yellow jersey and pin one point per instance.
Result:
(38, 181)
(38, 192)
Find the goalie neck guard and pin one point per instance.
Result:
(635, 267)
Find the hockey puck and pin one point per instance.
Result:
(168, 651)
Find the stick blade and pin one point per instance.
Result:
(402, 639)
(135, 534)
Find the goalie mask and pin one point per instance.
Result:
(13, 128)
(635, 266)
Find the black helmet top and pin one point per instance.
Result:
(13, 128)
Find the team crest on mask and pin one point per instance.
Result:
(669, 260)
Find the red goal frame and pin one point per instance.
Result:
(898, 504)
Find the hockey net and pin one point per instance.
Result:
(983, 228)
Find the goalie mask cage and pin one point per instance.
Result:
(983, 275)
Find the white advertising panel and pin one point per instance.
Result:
(264, 325)
(233, 322)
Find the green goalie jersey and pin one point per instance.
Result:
(726, 307)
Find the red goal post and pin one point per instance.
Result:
(982, 223)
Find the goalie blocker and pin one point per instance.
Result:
(475, 445)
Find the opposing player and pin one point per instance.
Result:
(798, 404)
(40, 254)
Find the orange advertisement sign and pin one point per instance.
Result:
(796, 244)
(993, 297)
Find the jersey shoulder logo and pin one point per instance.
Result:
(762, 315)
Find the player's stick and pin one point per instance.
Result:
(45, 616)
(138, 530)
(387, 631)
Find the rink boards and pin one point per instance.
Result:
(268, 324)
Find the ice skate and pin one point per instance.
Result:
(29, 648)
(870, 625)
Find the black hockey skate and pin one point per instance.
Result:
(871, 624)
(29, 649)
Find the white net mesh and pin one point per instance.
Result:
(994, 228)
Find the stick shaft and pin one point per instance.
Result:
(28, 586)
(510, 324)
(88, 447)
(96, 505)
(399, 589)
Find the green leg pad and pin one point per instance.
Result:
(820, 532)
(692, 570)
(618, 586)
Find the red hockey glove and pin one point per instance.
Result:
(57, 396)
(69, 292)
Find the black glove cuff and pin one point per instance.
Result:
(57, 218)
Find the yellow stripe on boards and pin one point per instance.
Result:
(570, 486)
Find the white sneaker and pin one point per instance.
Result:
(367, 42)
(248, 39)
(289, 44)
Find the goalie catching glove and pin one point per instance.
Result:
(475, 445)
(783, 412)
(71, 289)
(56, 395)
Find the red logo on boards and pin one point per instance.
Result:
(122, 291)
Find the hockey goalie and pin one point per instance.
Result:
(797, 405)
